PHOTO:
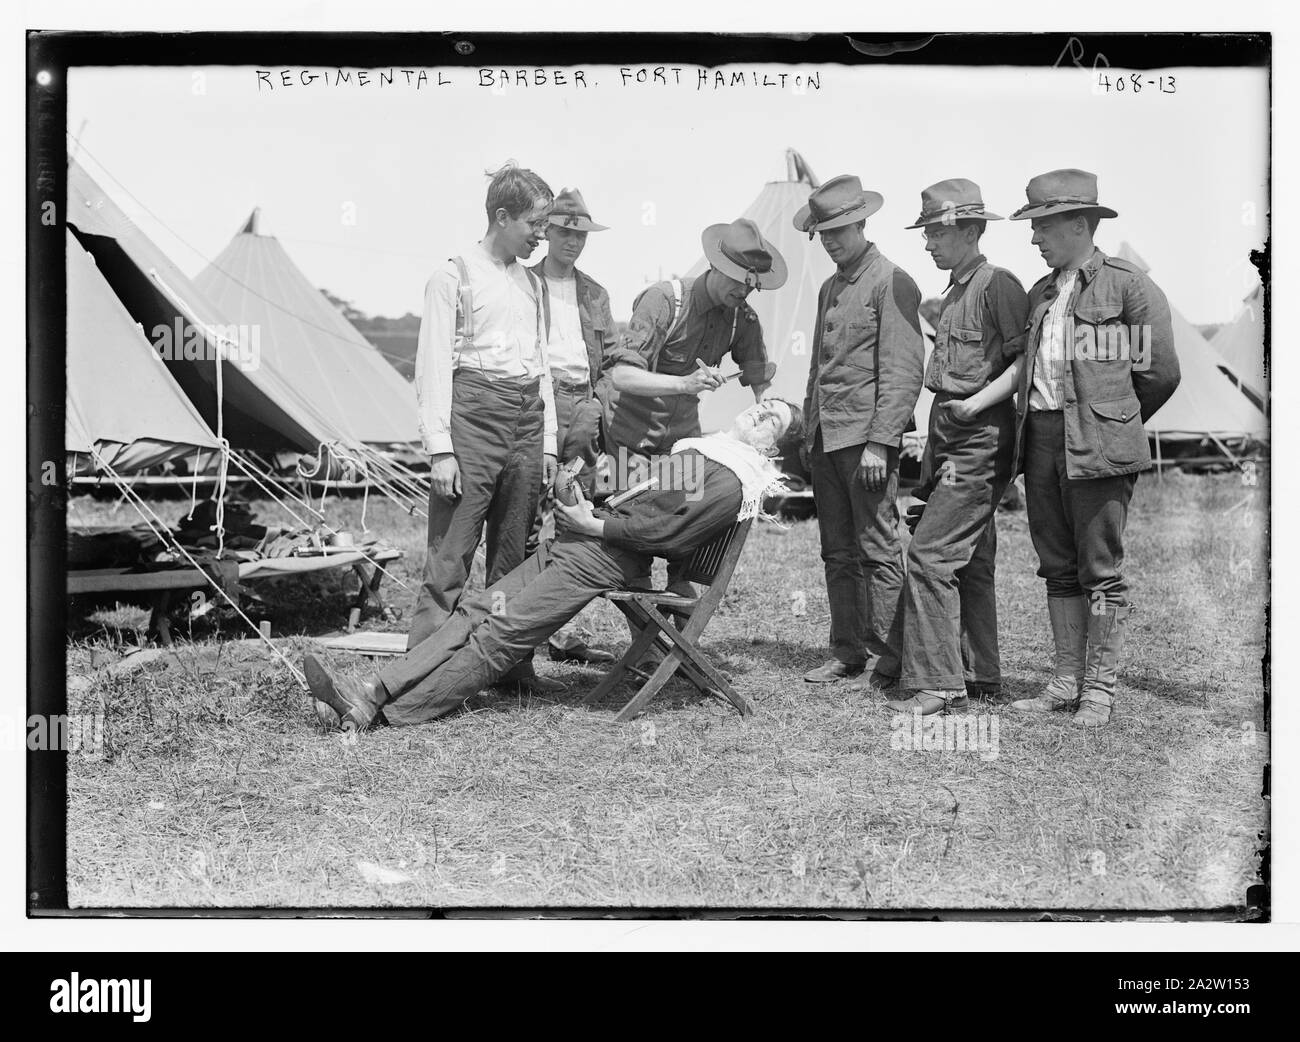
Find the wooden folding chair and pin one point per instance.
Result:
(652, 614)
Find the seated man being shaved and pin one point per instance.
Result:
(729, 475)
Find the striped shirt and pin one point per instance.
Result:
(1047, 393)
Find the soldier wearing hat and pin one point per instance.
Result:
(580, 332)
(947, 621)
(1099, 360)
(680, 331)
(863, 382)
(675, 342)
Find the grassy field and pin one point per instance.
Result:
(215, 786)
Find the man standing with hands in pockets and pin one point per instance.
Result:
(947, 626)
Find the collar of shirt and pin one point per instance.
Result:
(855, 270)
(1086, 270)
(700, 299)
(493, 259)
(963, 274)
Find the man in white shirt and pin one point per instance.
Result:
(487, 412)
(581, 334)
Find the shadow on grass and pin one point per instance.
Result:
(775, 655)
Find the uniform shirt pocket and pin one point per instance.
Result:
(1100, 333)
(861, 334)
(966, 362)
(1120, 436)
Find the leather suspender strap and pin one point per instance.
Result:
(466, 301)
(543, 297)
(679, 308)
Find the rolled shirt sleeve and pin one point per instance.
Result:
(901, 358)
(434, 360)
(645, 334)
(1007, 306)
(750, 352)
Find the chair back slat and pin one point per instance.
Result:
(702, 566)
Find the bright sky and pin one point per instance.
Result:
(1187, 171)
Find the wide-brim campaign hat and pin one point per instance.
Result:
(740, 252)
(947, 202)
(570, 211)
(1061, 191)
(838, 202)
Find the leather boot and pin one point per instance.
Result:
(522, 676)
(832, 672)
(356, 702)
(1069, 617)
(1105, 646)
(927, 703)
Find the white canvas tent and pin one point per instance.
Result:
(307, 341)
(1206, 404)
(122, 403)
(260, 409)
(1241, 345)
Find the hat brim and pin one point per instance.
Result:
(871, 202)
(711, 240)
(581, 224)
(1028, 213)
(944, 218)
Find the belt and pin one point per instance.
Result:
(505, 389)
(574, 386)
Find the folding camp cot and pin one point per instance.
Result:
(162, 583)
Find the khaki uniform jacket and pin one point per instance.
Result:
(1120, 366)
(868, 356)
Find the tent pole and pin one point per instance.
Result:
(1160, 468)
(1225, 450)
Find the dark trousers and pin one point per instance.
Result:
(948, 624)
(1077, 525)
(496, 433)
(567, 400)
(636, 463)
(494, 630)
(863, 556)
